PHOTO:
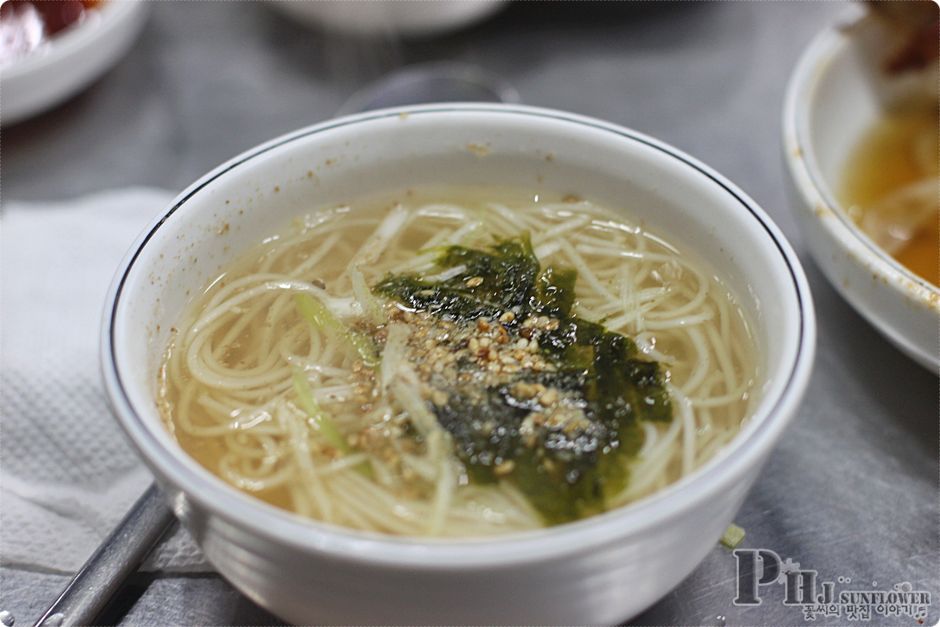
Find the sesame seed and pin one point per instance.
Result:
(549, 397)
(504, 468)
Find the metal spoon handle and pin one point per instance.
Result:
(117, 558)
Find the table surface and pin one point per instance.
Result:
(851, 490)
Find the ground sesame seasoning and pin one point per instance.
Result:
(504, 468)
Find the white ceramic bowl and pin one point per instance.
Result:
(600, 570)
(70, 61)
(402, 17)
(834, 96)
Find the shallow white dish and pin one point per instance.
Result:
(70, 61)
(833, 97)
(600, 570)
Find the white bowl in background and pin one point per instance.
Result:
(402, 17)
(836, 94)
(70, 60)
(600, 570)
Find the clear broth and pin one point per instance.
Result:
(706, 348)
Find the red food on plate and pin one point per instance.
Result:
(25, 24)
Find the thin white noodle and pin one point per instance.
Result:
(228, 381)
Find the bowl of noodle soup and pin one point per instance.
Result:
(388, 366)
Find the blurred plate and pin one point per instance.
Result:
(70, 60)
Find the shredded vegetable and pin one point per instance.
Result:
(733, 536)
(323, 424)
(320, 420)
(320, 317)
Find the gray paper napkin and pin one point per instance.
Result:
(67, 474)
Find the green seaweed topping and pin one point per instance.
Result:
(553, 292)
(507, 272)
(567, 470)
(620, 385)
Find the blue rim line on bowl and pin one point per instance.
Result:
(350, 545)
